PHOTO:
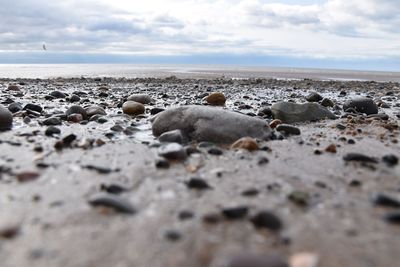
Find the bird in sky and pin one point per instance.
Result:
(44, 47)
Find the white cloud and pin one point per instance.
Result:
(336, 28)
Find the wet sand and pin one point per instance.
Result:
(333, 217)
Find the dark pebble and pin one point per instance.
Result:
(249, 260)
(215, 151)
(52, 121)
(393, 218)
(50, 131)
(235, 213)
(267, 220)
(197, 183)
(391, 160)
(112, 201)
(359, 158)
(113, 189)
(288, 129)
(162, 163)
(386, 201)
(33, 107)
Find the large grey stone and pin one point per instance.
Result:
(291, 112)
(6, 119)
(211, 124)
(362, 105)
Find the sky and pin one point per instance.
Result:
(356, 34)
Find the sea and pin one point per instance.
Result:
(49, 71)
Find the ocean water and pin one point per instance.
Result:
(44, 71)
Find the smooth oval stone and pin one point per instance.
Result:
(52, 121)
(314, 97)
(140, 98)
(57, 94)
(6, 119)
(33, 107)
(95, 110)
(362, 105)
(201, 123)
(174, 136)
(267, 220)
(13, 87)
(77, 110)
(326, 102)
(246, 143)
(15, 107)
(288, 129)
(172, 151)
(133, 108)
(112, 201)
(289, 112)
(216, 99)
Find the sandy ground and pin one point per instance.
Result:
(55, 225)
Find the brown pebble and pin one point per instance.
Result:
(331, 148)
(275, 123)
(27, 176)
(133, 108)
(216, 99)
(247, 143)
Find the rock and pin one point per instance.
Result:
(300, 198)
(246, 143)
(362, 105)
(115, 189)
(198, 183)
(273, 124)
(216, 99)
(386, 201)
(393, 218)
(133, 108)
(155, 111)
(140, 98)
(215, 151)
(162, 163)
(201, 123)
(267, 220)
(390, 160)
(33, 107)
(74, 98)
(15, 107)
(9, 230)
(77, 110)
(235, 213)
(27, 176)
(289, 112)
(95, 110)
(266, 111)
(13, 87)
(6, 119)
(331, 148)
(359, 158)
(76, 118)
(314, 97)
(250, 260)
(288, 129)
(52, 121)
(173, 235)
(112, 201)
(172, 151)
(174, 136)
(57, 94)
(50, 131)
(326, 102)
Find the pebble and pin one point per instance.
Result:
(172, 151)
(15, 107)
(95, 110)
(304, 259)
(112, 201)
(140, 98)
(162, 163)
(390, 160)
(273, 124)
(6, 119)
(13, 87)
(50, 131)
(27, 176)
(52, 121)
(115, 189)
(289, 112)
(235, 213)
(57, 94)
(77, 110)
(133, 108)
(215, 151)
(288, 129)
(9, 231)
(314, 97)
(174, 136)
(326, 102)
(362, 105)
(331, 148)
(198, 183)
(267, 220)
(300, 198)
(386, 201)
(155, 111)
(252, 260)
(359, 157)
(201, 123)
(393, 218)
(76, 118)
(246, 143)
(216, 99)
(33, 107)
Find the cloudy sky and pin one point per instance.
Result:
(304, 33)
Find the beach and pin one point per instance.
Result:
(88, 179)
